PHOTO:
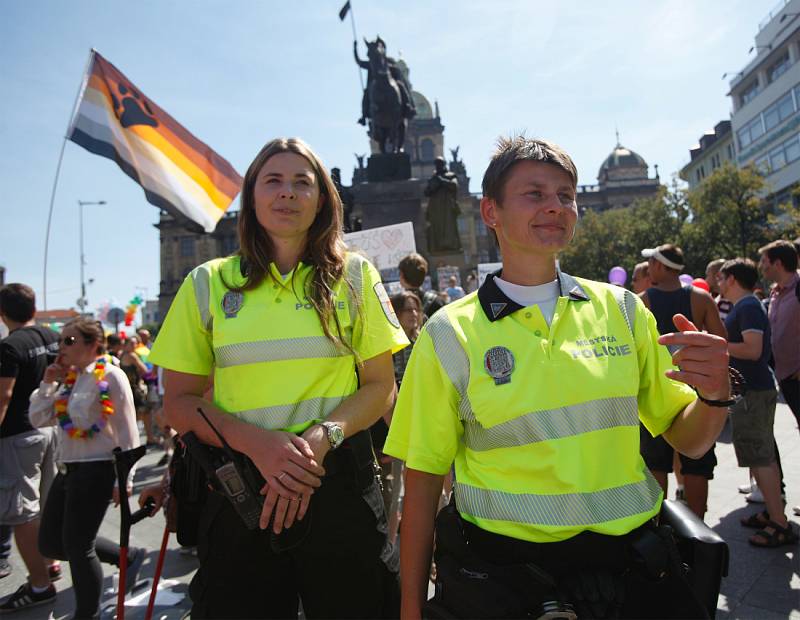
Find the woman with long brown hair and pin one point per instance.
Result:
(298, 335)
(90, 401)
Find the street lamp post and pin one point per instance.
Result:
(83, 302)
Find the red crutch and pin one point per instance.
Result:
(149, 613)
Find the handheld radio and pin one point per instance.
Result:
(234, 478)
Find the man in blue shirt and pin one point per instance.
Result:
(752, 418)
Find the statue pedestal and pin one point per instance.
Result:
(383, 167)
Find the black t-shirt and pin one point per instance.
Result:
(748, 314)
(24, 355)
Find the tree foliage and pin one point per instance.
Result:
(724, 217)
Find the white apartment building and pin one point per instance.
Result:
(766, 101)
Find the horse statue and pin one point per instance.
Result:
(387, 101)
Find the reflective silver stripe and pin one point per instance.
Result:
(355, 276)
(275, 351)
(452, 358)
(569, 509)
(200, 283)
(627, 305)
(593, 415)
(285, 416)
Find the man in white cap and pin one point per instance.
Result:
(666, 297)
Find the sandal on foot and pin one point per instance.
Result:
(777, 538)
(757, 520)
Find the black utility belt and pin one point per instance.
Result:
(71, 466)
(582, 547)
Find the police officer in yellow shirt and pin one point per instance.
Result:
(533, 387)
(297, 335)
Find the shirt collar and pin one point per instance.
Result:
(496, 304)
(791, 284)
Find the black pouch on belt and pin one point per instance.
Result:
(189, 491)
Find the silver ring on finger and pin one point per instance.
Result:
(281, 476)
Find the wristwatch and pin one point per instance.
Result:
(334, 432)
(737, 391)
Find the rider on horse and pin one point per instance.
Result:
(394, 70)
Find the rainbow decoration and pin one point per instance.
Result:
(106, 406)
(130, 309)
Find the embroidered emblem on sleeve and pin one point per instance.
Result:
(386, 304)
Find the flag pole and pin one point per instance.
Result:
(58, 172)
(355, 40)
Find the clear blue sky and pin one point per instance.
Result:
(239, 73)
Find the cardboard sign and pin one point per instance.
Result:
(484, 269)
(384, 246)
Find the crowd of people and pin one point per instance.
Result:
(360, 417)
(66, 401)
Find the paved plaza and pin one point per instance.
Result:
(763, 584)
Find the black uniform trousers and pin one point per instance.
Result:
(341, 565)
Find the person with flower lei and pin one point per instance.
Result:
(91, 403)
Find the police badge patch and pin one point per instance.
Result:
(499, 364)
(231, 303)
(386, 304)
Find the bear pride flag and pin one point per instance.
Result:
(178, 172)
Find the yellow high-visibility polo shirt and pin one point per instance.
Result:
(541, 421)
(273, 365)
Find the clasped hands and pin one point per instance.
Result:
(291, 467)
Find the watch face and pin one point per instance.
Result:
(335, 434)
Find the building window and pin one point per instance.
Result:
(778, 68)
(730, 150)
(187, 246)
(750, 132)
(427, 150)
(792, 149)
(481, 227)
(777, 158)
(779, 111)
(462, 226)
(697, 173)
(749, 92)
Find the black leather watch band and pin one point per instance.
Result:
(737, 390)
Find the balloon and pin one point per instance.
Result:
(618, 276)
(701, 283)
(685, 278)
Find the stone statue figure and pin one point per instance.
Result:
(346, 196)
(387, 102)
(443, 210)
(457, 165)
